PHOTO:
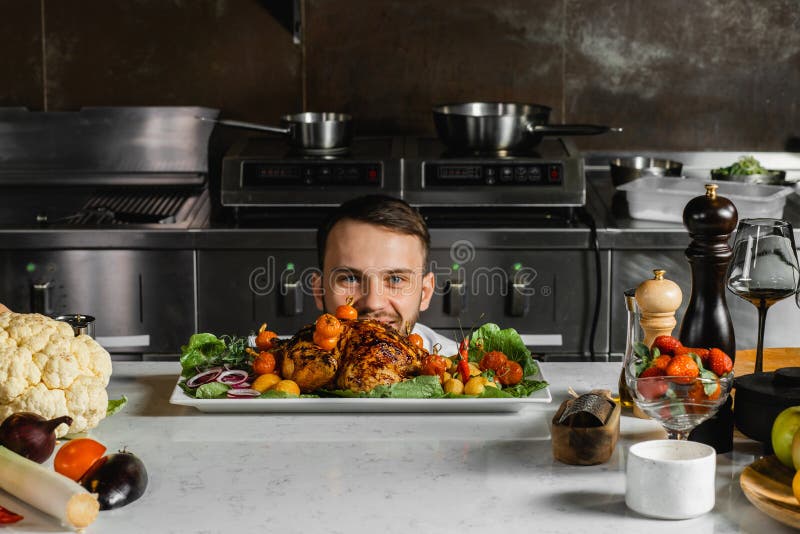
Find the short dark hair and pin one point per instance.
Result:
(381, 210)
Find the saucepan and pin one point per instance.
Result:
(306, 131)
(501, 126)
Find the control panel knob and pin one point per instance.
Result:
(291, 296)
(519, 299)
(42, 297)
(455, 297)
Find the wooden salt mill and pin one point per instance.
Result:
(658, 299)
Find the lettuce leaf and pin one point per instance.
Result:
(200, 352)
(211, 390)
(419, 387)
(490, 337)
(207, 350)
(115, 405)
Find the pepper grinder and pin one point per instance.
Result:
(707, 323)
(658, 299)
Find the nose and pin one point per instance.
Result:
(372, 299)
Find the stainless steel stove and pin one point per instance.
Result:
(263, 171)
(549, 175)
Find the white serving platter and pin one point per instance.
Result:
(351, 405)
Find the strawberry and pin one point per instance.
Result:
(702, 353)
(666, 344)
(683, 366)
(719, 362)
(662, 362)
(652, 389)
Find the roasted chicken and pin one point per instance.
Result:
(368, 353)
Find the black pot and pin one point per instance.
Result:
(760, 397)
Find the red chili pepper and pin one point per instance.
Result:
(8, 517)
(463, 370)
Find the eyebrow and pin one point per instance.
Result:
(359, 272)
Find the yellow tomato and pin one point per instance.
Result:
(475, 386)
(264, 382)
(454, 386)
(796, 485)
(287, 386)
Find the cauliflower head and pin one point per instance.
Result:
(46, 369)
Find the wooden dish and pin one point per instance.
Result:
(767, 484)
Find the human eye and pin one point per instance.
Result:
(345, 278)
(397, 280)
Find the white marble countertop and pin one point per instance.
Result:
(390, 473)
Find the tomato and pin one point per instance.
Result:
(76, 456)
(433, 364)
(493, 360)
(325, 343)
(347, 311)
(7, 516)
(328, 326)
(416, 340)
(509, 373)
(264, 338)
(264, 363)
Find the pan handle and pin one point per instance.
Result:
(248, 125)
(570, 129)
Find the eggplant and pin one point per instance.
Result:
(118, 479)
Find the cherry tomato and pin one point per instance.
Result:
(76, 456)
(325, 343)
(7, 516)
(416, 340)
(433, 364)
(264, 338)
(509, 374)
(347, 311)
(264, 363)
(328, 326)
(493, 360)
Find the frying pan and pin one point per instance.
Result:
(501, 126)
(306, 131)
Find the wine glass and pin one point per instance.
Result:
(679, 403)
(763, 269)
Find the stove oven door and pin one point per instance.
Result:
(546, 295)
(142, 300)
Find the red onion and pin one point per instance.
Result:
(240, 393)
(31, 435)
(232, 377)
(204, 377)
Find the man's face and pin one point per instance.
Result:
(381, 269)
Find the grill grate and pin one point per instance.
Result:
(126, 207)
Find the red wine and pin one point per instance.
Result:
(763, 297)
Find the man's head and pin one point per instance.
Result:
(375, 250)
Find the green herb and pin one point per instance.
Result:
(746, 165)
(115, 405)
(211, 390)
(207, 350)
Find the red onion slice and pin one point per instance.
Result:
(231, 377)
(242, 393)
(204, 377)
(241, 385)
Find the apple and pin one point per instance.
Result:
(796, 451)
(784, 429)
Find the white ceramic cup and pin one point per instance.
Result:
(670, 479)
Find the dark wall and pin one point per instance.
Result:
(676, 74)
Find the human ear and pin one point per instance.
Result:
(428, 285)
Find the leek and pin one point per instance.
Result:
(50, 492)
